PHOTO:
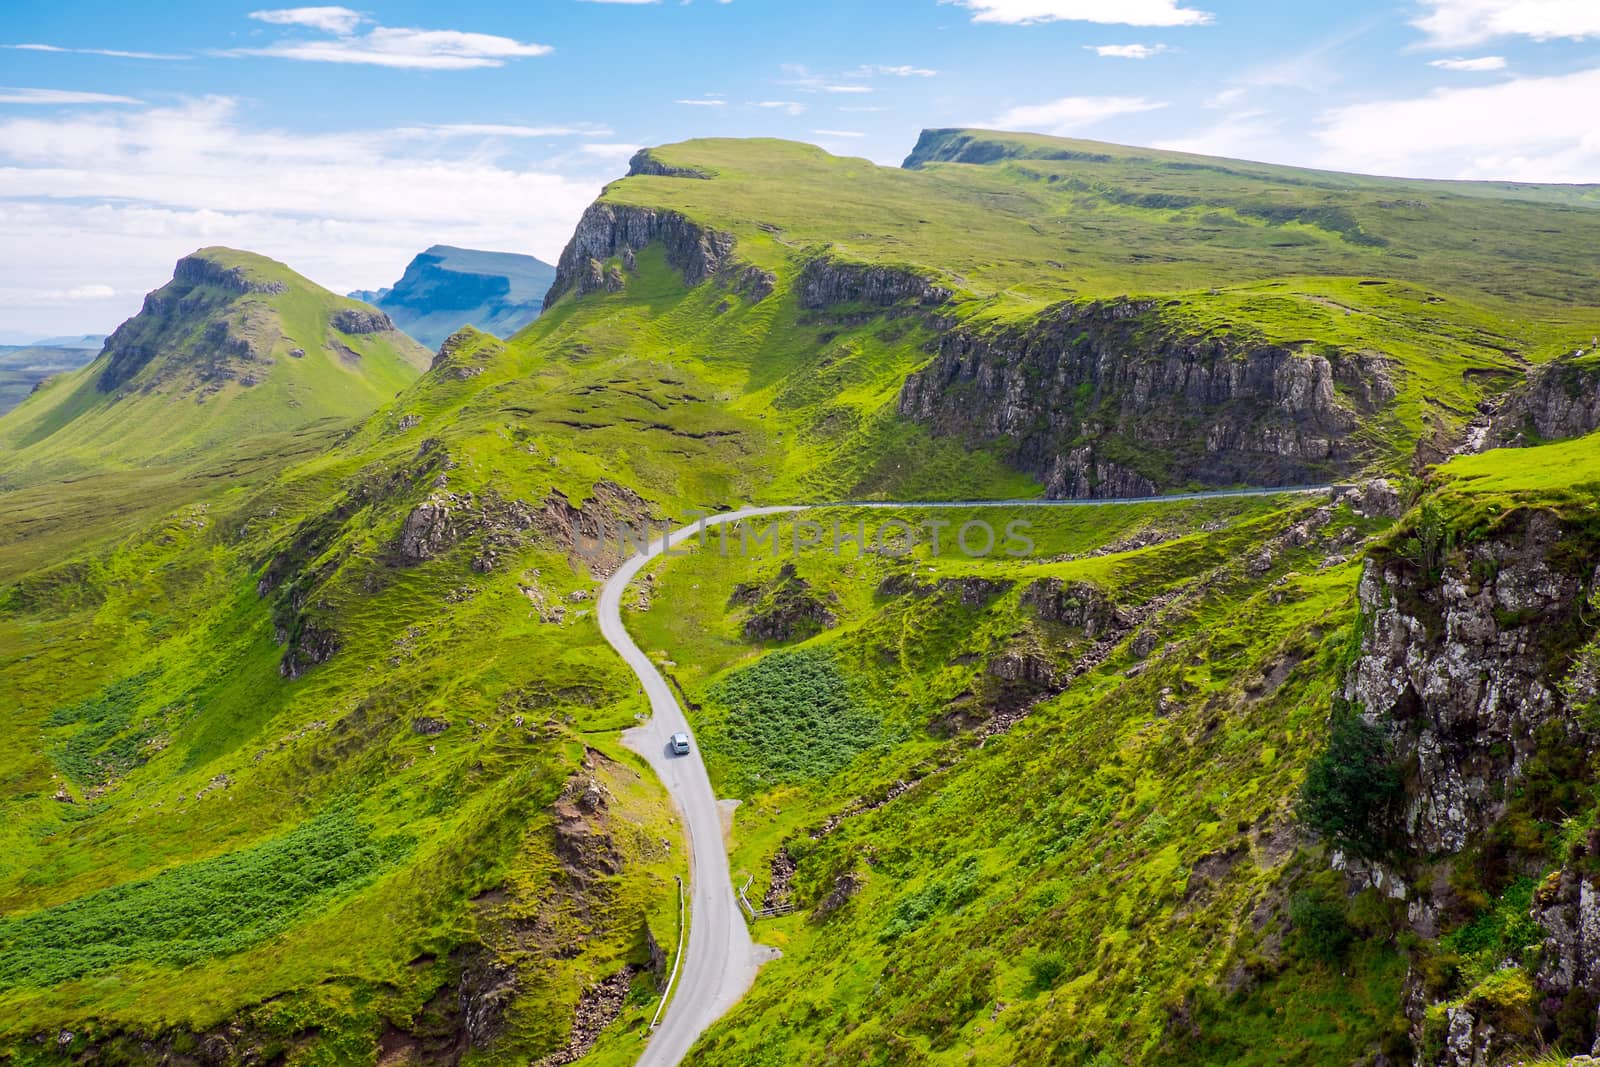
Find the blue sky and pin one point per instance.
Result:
(344, 140)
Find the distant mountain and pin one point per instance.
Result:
(23, 367)
(238, 344)
(447, 288)
(88, 340)
(19, 339)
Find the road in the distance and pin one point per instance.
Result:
(721, 960)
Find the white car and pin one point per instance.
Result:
(680, 744)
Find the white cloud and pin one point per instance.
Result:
(411, 49)
(1251, 134)
(385, 46)
(808, 81)
(1474, 64)
(492, 129)
(339, 20)
(706, 102)
(898, 72)
(78, 294)
(1071, 113)
(1524, 129)
(1127, 51)
(1458, 23)
(838, 133)
(1106, 12)
(60, 96)
(116, 52)
(610, 151)
(788, 107)
(118, 196)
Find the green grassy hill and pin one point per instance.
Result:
(250, 346)
(313, 747)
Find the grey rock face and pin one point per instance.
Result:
(825, 282)
(644, 162)
(309, 645)
(1082, 386)
(785, 608)
(1374, 498)
(198, 270)
(428, 530)
(1460, 672)
(1077, 604)
(1568, 907)
(608, 230)
(360, 320)
(1560, 399)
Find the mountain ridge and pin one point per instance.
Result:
(445, 288)
(329, 730)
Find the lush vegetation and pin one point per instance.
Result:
(789, 717)
(1352, 787)
(313, 733)
(196, 911)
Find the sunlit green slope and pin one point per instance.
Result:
(248, 347)
(317, 755)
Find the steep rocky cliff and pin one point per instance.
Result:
(609, 230)
(1463, 664)
(1105, 400)
(1559, 399)
(1478, 661)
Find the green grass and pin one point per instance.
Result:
(1069, 840)
(1035, 897)
(196, 911)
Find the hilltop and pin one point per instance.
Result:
(248, 345)
(446, 288)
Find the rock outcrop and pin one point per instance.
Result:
(783, 609)
(1081, 605)
(1480, 663)
(644, 161)
(1107, 400)
(360, 320)
(197, 270)
(1559, 399)
(609, 230)
(1464, 670)
(825, 282)
(465, 354)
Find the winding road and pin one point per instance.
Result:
(721, 960)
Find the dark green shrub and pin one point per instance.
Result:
(791, 717)
(1352, 787)
(1320, 928)
(1432, 541)
(1045, 971)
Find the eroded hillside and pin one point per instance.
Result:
(315, 757)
